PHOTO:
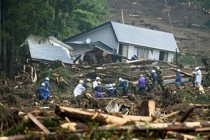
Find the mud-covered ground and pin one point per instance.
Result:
(21, 95)
(18, 97)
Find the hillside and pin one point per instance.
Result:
(188, 20)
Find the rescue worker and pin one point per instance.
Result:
(47, 84)
(79, 90)
(98, 91)
(149, 85)
(141, 84)
(193, 78)
(159, 77)
(154, 78)
(198, 77)
(123, 84)
(178, 80)
(42, 93)
(89, 86)
(111, 90)
(95, 83)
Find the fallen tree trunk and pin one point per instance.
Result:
(85, 115)
(172, 81)
(186, 126)
(130, 62)
(185, 73)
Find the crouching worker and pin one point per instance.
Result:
(111, 90)
(123, 84)
(98, 91)
(42, 93)
(79, 90)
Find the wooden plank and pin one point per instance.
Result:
(137, 118)
(39, 124)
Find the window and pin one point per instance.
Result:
(143, 52)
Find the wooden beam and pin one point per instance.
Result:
(137, 118)
(39, 124)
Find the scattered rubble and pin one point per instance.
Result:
(173, 113)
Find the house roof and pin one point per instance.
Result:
(50, 53)
(103, 47)
(41, 49)
(57, 42)
(144, 37)
(81, 47)
(139, 36)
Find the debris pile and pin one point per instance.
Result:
(172, 113)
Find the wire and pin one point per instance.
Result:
(169, 16)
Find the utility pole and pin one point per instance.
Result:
(122, 16)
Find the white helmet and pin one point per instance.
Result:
(120, 79)
(47, 79)
(178, 70)
(81, 81)
(99, 83)
(196, 68)
(141, 75)
(153, 71)
(110, 85)
(43, 84)
(89, 80)
(97, 78)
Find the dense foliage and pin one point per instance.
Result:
(203, 3)
(59, 18)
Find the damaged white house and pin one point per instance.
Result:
(129, 41)
(48, 49)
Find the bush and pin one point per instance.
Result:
(187, 60)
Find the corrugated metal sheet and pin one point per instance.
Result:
(145, 37)
(50, 53)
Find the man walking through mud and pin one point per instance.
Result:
(159, 77)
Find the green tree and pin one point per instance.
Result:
(21, 18)
(61, 18)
